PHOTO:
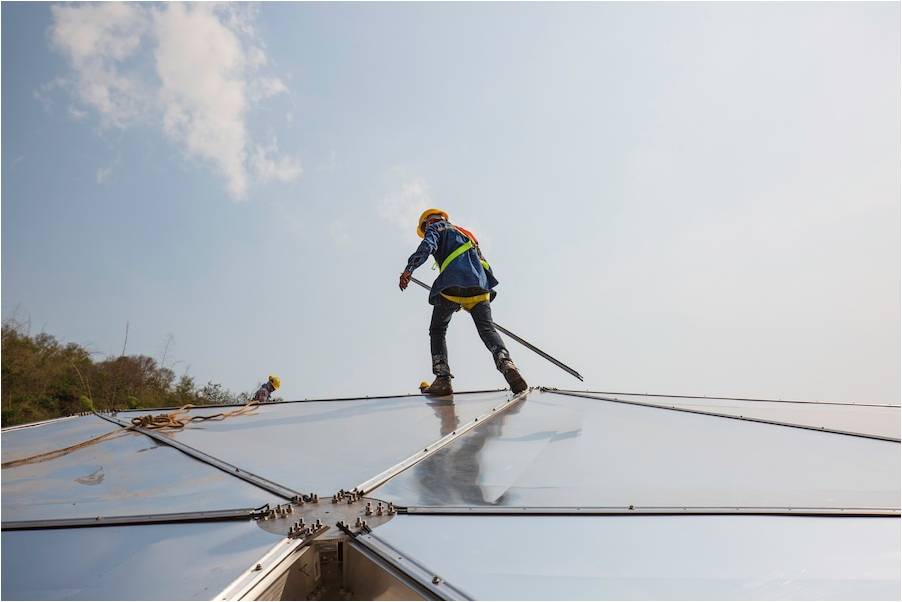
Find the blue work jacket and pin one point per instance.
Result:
(465, 272)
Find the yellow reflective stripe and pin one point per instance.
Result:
(468, 303)
(455, 254)
(485, 264)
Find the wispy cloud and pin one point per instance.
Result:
(104, 174)
(269, 164)
(405, 202)
(195, 70)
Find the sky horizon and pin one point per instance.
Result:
(684, 198)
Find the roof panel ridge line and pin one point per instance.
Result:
(230, 469)
(648, 511)
(17, 427)
(282, 402)
(370, 484)
(137, 519)
(817, 429)
(715, 397)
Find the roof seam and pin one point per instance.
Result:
(380, 479)
(730, 416)
(226, 467)
(714, 397)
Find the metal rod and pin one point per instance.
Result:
(523, 342)
(137, 519)
(807, 427)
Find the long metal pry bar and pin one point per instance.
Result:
(523, 342)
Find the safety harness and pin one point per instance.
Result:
(467, 303)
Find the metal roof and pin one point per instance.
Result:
(551, 494)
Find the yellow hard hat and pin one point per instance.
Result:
(421, 231)
(275, 380)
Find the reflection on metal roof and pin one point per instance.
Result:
(657, 557)
(124, 476)
(20, 442)
(559, 450)
(548, 494)
(324, 446)
(162, 562)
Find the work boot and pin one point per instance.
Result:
(512, 376)
(440, 386)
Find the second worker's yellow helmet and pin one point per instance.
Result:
(275, 380)
(421, 231)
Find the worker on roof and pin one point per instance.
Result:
(466, 281)
(267, 389)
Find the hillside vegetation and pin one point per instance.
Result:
(43, 378)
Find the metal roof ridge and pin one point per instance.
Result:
(720, 415)
(272, 403)
(831, 403)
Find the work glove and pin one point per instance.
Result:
(405, 279)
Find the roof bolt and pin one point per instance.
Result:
(436, 579)
(358, 522)
(391, 508)
(259, 567)
(289, 509)
(379, 509)
(631, 507)
(318, 524)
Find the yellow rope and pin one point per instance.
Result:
(173, 420)
(43, 457)
(178, 419)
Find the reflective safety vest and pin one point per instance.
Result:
(466, 302)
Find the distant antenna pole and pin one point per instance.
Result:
(523, 342)
(125, 342)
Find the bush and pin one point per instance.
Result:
(43, 379)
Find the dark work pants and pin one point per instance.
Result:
(482, 317)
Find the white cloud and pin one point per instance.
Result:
(269, 165)
(403, 205)
(103, 174)
(191, 69)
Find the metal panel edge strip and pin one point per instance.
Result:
(383, 565)
(645, 511)
(136, 519)
(730, 416)
(27, 425)
(273, 403)
(367, 486)
(265, 566)
(427, 580)
(828, 403)
(231, 469)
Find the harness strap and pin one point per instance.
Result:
(468, 303)
(455, 254)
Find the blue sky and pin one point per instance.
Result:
(676, 198)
